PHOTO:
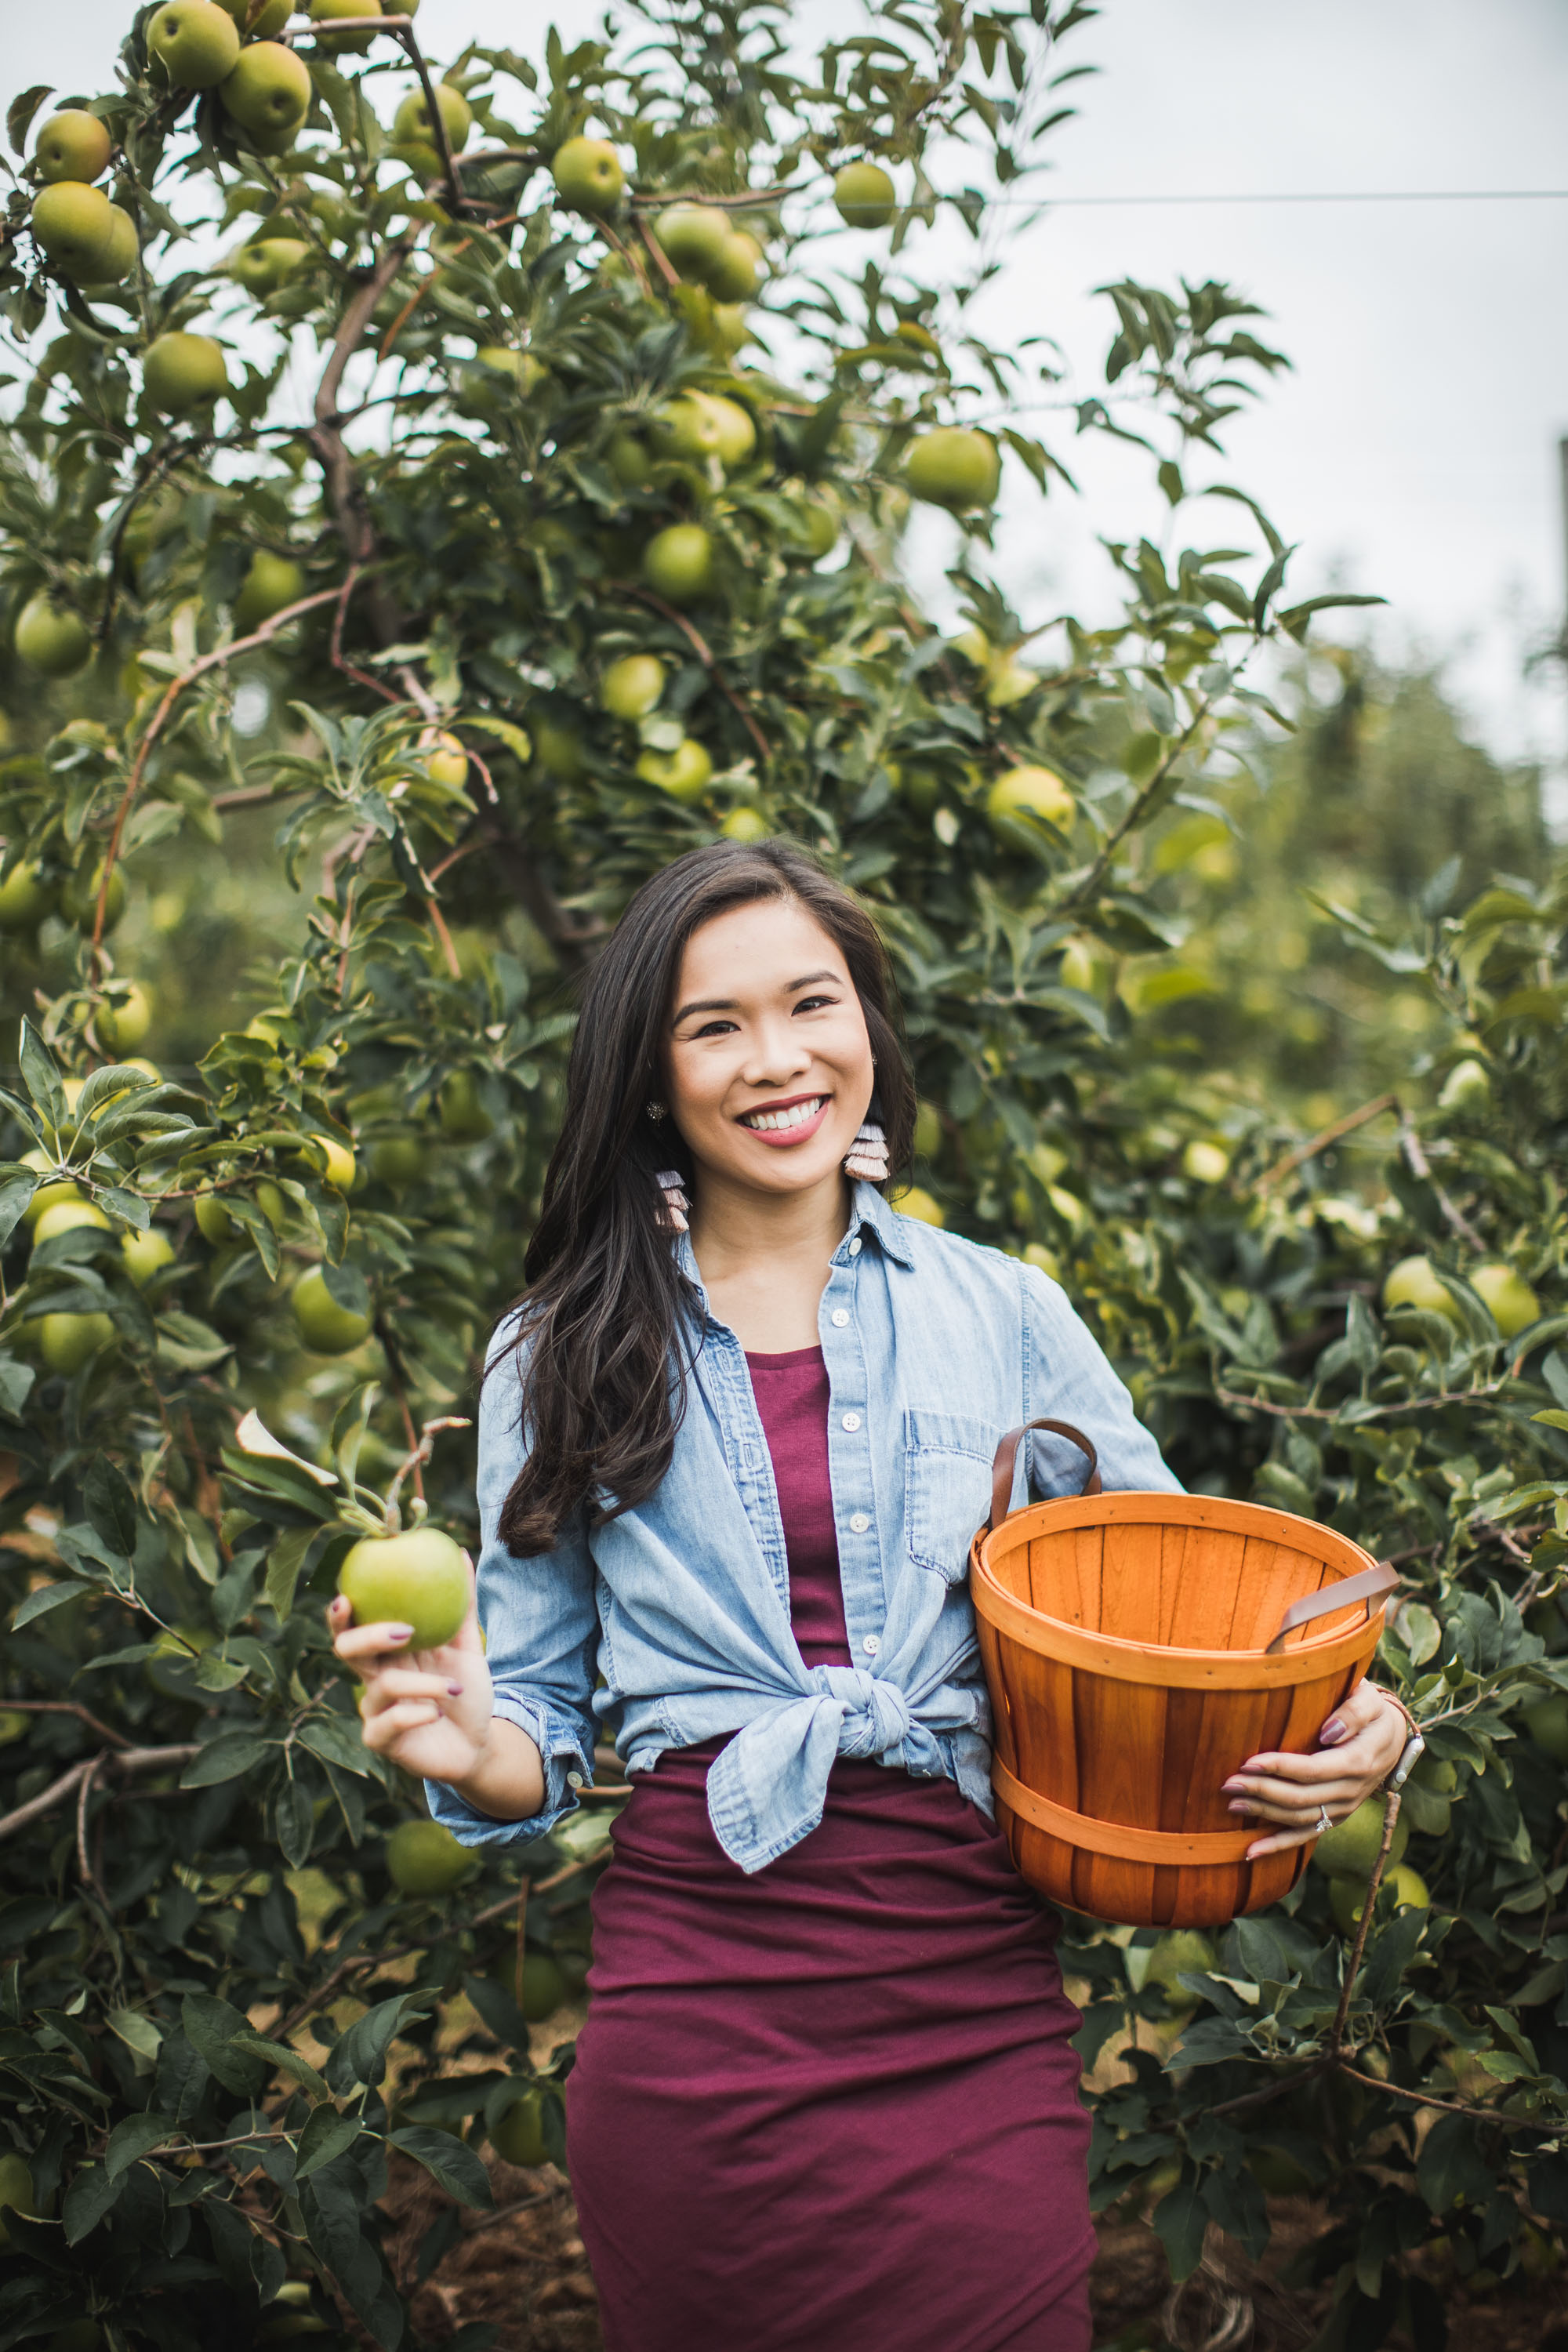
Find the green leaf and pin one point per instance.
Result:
(40, 1602)
(110, 1506)
(280, 2054)
(452, 2166)
(359, 2055)
(284, 1562)
(90, 2196)
(20, 112)
(1180, 2219)
(224, 1758)
(214, 2029)
(132, 2138)
(326, 2134)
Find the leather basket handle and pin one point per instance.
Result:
(1004, 1469)
(1368, 1586)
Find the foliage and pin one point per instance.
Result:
(221, 2013)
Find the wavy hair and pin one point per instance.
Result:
(606, 1331)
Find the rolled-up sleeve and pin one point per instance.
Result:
(1070, 1379)
(540, 1624)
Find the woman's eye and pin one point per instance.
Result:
(712, 1029)
(814, 1004)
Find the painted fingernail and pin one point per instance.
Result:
(400, 1633)
(1240, 1809)
(454, 1690)
(1333, 1729)
(1231, 1786)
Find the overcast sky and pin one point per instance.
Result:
(1413, 450)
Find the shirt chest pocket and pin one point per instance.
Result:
(947, 1488)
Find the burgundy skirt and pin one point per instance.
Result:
(834, 2103)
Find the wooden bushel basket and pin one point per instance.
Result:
(1139, 1647)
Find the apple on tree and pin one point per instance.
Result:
(683, 773)
(954, 466)
(72, 145)
(323, 13)
(268, 92)
(50, 639)
(260, 19)
(1025, 796)
(632, 687)
(182, 373)
(74, 225)
(677, 563)
(865, 195)
(588, 175)
(196, 42)
(272, 583)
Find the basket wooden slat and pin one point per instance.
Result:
(1125, 1639)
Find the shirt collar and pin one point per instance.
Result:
(870, 1214)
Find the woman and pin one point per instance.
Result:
(826, 2093)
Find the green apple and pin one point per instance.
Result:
(1350, 1848)
(182, 371)
(736, 271)
(397, 1159)
(727, 328)
(746, 824)
(953, 467)
(268, 92)
(443, 759)
(334, 1163)
(1412, 1283)
(72, 145)
(348, 44)
(540, 1988)
(1179, 1950)
(146, 1254)
(1468, 1087)
(1514, 1306)
(464, 1119)
(122, 1023)
(195, 41)
(1079, 967)
(494, 361)
(412, 119)
(917, 1202)
(1548, 1724)
(66, 1216)
(819, 523)
(74, 224)
(737, 434)
(558, 747)
(1347, 1901)
(686, 427)
(121, 254)
(865, 195)
(927, 1131)
(628, 460)
(268, 263)
(79, 898)
(694, 237)
(274, 1203)
(631, 687)
(67, 1340)
(16, 2192)
(25, 898)
(50, 638)
(423, 1858)
(271, 583)
(418, 1578)
(213, 1220)
(518, 2136)
(327, 1329)
(588, 175)
(1024, 794)
(1206, 1163)
(677, 563)
(683, 773)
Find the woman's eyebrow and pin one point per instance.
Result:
(728, 1003)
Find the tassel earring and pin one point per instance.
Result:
(673, 1215)
(868, 1155)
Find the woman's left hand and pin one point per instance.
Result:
(1363, 1740)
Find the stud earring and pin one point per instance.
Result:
(868, 1155)
(656, 1109)
(673, 1215)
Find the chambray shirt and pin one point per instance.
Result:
(934, 1347)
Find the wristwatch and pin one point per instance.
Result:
(1414, 1747)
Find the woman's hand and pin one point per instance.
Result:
(1364, 1739)
(428, 1710)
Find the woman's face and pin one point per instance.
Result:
(768, 1065)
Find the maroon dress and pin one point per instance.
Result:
(834, 2103)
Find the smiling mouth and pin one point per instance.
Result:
(788, 1117)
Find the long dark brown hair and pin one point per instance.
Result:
(606, 1332)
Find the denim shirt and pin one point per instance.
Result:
(934, 1347)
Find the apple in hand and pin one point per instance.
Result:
(419, 1579)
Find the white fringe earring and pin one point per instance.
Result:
(868, 1155)
(675, 1204)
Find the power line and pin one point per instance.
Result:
(1043, 202)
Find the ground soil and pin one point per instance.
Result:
(524, 2269)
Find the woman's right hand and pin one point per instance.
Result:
(429, 1710)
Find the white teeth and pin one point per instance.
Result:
(763, 1122)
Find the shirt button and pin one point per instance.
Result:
(574, 1780)
(855, 1246)
(858, 1523)
(840, 1316)
(871, 1645)
(850, 1421)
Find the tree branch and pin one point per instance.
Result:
(1320, 1142)
(1391, 1804)
(704, 652)
(124, 1760)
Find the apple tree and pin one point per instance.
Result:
(497, 473)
